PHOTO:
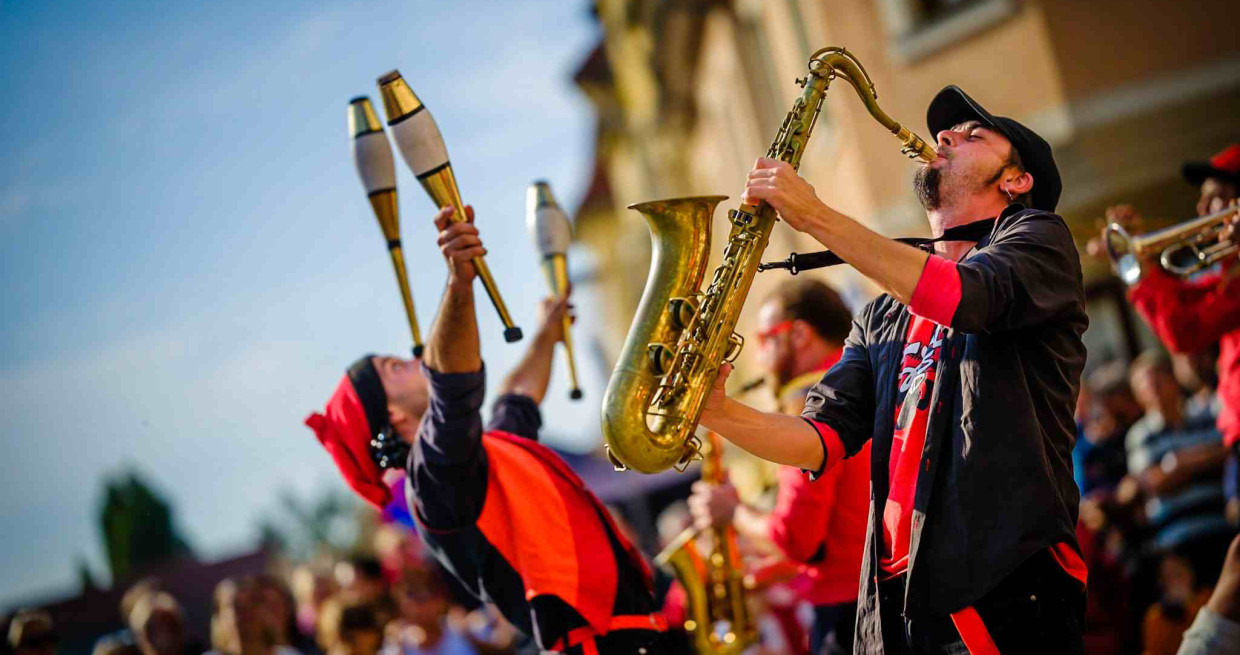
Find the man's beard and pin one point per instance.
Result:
(926, 183)
(929, 183)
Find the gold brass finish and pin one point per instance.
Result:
(649, 413)
(398, 99)
(1185, 248)
(399, 102)
(556, 269)
(552, 233)
(363, 121)
(384, 205)
(717, 612)
(362, 117)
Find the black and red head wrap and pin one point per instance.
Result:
(354, 416)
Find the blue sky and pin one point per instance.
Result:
(187, 259)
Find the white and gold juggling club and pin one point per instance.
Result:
(372, 154)
(421, 146)
(552, 233)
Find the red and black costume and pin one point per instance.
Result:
(504, 514)
(1192, 315)
(966, 396)
(821, 524)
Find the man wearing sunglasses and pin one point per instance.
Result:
(964, 377)
(821, 524)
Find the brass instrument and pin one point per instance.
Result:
(552, 233)
(372, 154)
(421, 146)
(718, 616)
(1184, 249)
(681, 335)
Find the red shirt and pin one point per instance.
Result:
(821, 523)
(921, 356)
(1189, 317)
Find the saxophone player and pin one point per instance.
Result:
(503, 513)
(821, 525)
(963, 377)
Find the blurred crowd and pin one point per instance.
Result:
(1156, 517)
(396, 603)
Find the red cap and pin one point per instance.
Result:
(1228, 160)
(345, 432)
(1225, 165)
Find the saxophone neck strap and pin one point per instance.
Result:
(797, 262)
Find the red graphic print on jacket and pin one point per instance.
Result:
(917, 373)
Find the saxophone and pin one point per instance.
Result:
(717, 613)
(681, 335)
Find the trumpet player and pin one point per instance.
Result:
(963, 376)
(1191, 315)
(820, 524)
(499, 510)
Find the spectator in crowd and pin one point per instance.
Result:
(1176, 455)
(136, 592)
(31, 633)
(1216, 630)
(115, 644)
(158, 625)
(278, 612)
(350, 626)
(1180, 598)
(361, 577)
(237, 625)
(1197, 374)
(1106, 410)
(311, 588)
(421, 627)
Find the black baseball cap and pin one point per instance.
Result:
(952, 106)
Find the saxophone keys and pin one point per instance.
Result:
(740, 218)
(683, 310)
(615, 463)
(693, 451)
(735, 343)
(660, 358)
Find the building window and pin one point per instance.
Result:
(933, 10)
(917, 28)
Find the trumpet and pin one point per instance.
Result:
(421, 146)
(552, 233)
(1183, 249)
(372, 154)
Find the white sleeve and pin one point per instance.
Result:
(1211, 634)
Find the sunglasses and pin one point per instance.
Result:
(774, 331)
